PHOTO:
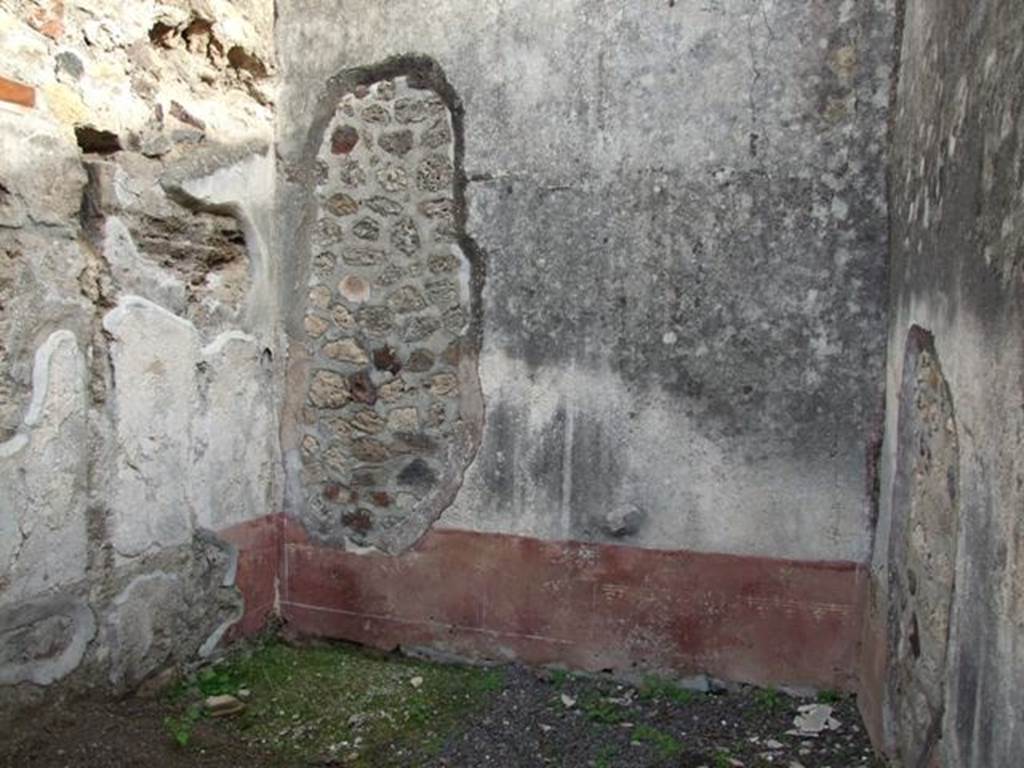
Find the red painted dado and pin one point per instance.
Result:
(259, 556)
(588, 606)
(872, 665)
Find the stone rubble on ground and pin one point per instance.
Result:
(813, 719)
(223, 705)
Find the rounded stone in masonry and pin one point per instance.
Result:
(454, 320)
(438, 208)
(436, 415)
(410, 110)
(346, 351)
(397, 143)
(403, 419)
(370, 451)
(351, 173)
(443, 384)
(336, 493)
(406, 299)
(361, 388)
(354, 289)
(341, 204)
(344, 139)
(359, 520)
(384, 206)
(342, 317)
(386, 359)
(421, 327)
(375, 113)
(393, 178)
(405, 237)
(381, 499)
(437, 135)
(420, 361)
(319, 297)
(434, 174)
(310, 446)
(442, 262)
(390, 275)
(418, 476)
(315, 326)
(336, 459)
(445, 233)
(442, 292)
(328, 232)
(393, 390)
(328, 390)
(377, 321)
(413, 442)
(324, 263)
(367, 420)
(365, 477)
(366, 229)
(362, 257)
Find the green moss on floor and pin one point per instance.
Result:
(340, 703)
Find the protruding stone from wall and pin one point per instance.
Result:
(387, 320)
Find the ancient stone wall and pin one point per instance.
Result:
(387, 321)
(675, 226)
(682, 215)
(138, 427)
(943, 661)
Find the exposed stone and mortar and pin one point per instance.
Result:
(554, 333)
(387, 316)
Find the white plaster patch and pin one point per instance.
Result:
(42, 478)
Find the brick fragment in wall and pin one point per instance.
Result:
(17, 93)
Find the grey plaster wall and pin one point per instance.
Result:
(958, 249)
(681, 214)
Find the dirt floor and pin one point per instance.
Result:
(341, 706)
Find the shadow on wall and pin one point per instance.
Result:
(384, 408)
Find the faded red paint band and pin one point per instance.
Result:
(588, 606)
(259, 557)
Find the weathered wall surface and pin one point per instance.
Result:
(682, 214)
(944, 666)
(137, 331)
